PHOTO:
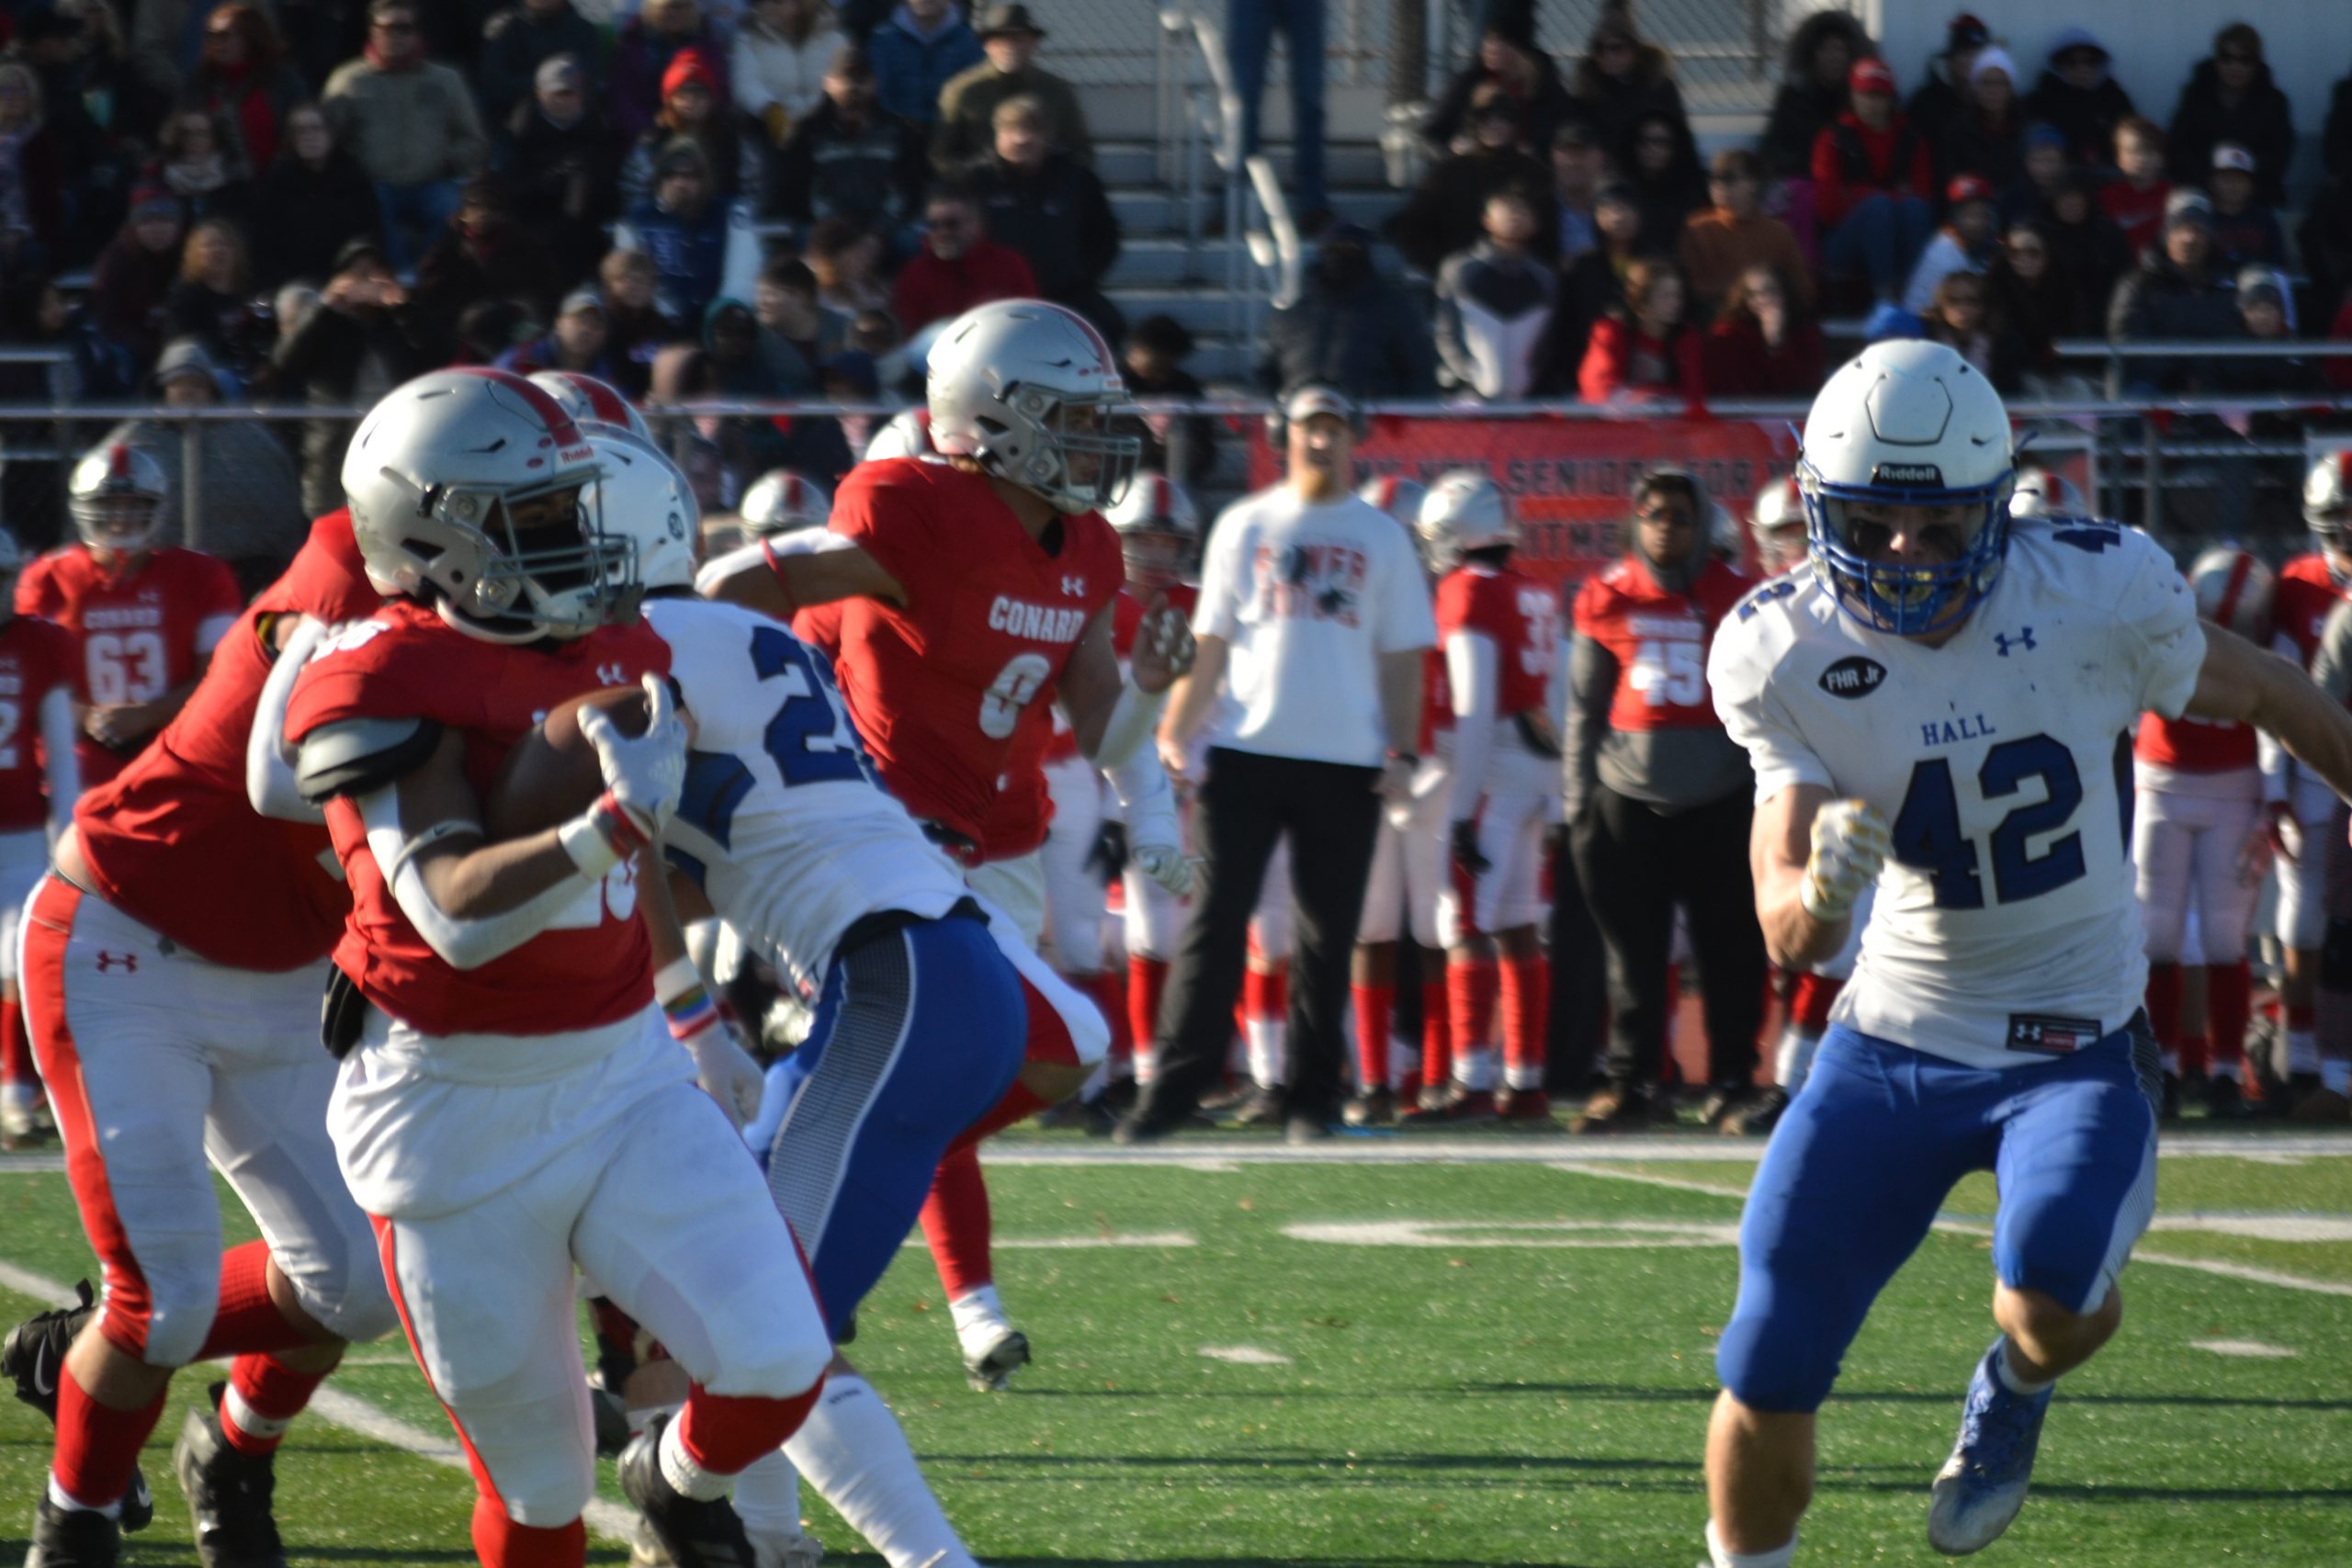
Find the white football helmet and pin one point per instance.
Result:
(1157, 529)
(1907, 423)
(1400, 497)
(590, 401)
(783, 501)
(434, 477)
(2233, 589)
(643, 496)
(906, 435)
(2041, 492)
(2327, 501)
(116, 494)
(1462, 511)
(1779, 528)
(1027, 389)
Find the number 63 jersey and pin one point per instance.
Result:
(2006, 929)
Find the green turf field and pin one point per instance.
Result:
(1248, 1358)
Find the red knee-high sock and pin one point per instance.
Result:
(2228, 1006)
(1146, 980)
(97, 1448)
(264, 1394)
(1437, 1032)
(16, 1065)
(724, 1433)
(500, 1542)
(1266, 996)
(1526, 1014)
(1809, 1000)
(955, 1223)
(2162, 999)
(2195, 1053)
(1110, 993)
(1375, 1006)
(248, 1321)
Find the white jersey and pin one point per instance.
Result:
(2007, 929)
(782, 822)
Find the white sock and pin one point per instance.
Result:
(1267, 1038)
(1475, 1069)
(2336, 1073)
(977, 1308)
(767, 1497)
(1523, 1076)
(2009, 1377)
(678, 1468)
(2303, 1051)
(1404, 1061)
(1793, 1057)
(854, 1454)
(1723, 1557)
(66, 1500)
(248, 1420)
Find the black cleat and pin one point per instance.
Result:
(990, 1369)
(1376, 1107)
(228, 1493)
(1760, 1116)
(73, 1538)
(33, 1358)
(2223, 1101)
(694, 1533)
(2168, 1104)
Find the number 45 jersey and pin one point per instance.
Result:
(937, 686)
(2007, 929)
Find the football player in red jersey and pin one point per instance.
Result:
(38, 784)
(173, 963)
(146, 615)
(1500, 632)
(511, 1106)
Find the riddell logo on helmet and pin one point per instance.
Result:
(1908, 474)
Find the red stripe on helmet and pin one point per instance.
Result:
(552, 413)
(2240, 567)
(603, 400)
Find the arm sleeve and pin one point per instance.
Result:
(2157, 639)
(1147, 799)
(1592, 682)
(1407, 619)
(63, 770)
(1471, 674)
(461, 942)
(1217, 611)
(1754, 714)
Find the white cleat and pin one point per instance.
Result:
(992, 1355)
(798, 1550)
(1983, 1484)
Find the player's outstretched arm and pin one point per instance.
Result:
(2239, 680)
(1805, 898)
(782, 577)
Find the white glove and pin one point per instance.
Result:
(725, 1071)
(1166, 864)
(647, 774)
(1849, 844)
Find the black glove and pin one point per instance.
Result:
(1467, 853)
(1109, 855)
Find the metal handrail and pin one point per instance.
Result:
(1287, 250)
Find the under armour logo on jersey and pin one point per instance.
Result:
(2024, 639)
(127, 962)
(611, 675)
(1074, 586)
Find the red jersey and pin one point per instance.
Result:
(142, 631)
(1659, 640)
(173, 842)
(938, 686)
(1437, 700)
(593, 967)
(1520, 616)
(2302, 601)
(2195, 745)
(36, 658)
(1023, 808)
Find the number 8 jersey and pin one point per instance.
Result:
(2006, 928)
(938, 685)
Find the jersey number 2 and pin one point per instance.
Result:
(809, 739)
(1926, 830)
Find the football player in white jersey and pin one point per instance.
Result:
(1942, 707)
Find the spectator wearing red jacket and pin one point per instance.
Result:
(2136, 200)
(1763, 344)
(1871, 179)
(1648, 352)
(957, 268)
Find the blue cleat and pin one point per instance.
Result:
(1983, 1485)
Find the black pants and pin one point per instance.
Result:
(1636, 865)
(1580, 986)
(1330, 813)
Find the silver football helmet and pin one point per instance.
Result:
(906, 435)
(1026, 390)
(116, 494)
(1158, 530)
(474, 488)
(643, 496)
(590, 401)
(1462, 513)
(2327, 501)
(2233, 589)
(1777, 526)
(783, 501)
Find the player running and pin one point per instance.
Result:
(511, 1106)
(1943, 705)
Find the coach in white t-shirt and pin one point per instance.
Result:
(1312, 621)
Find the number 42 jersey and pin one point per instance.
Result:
(2007, 929)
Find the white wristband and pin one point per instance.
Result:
(590, 850)
(1133, 718)
(675, 979)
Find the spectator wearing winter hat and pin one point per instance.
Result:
(2179, 291)
(557, 161)
(2136, 197)
(965, 129)
(690, 109)
(1815, 64)
(1509, 59)
(1735, 234)
(2246, 230)
(1444, 214)
(1986, 137)
(2079, 95)
(2265, 304)
(923, 46)
(649, 41)
(521, 38)
(1945, 92)
(2231, 98)
(412, 124)
(2046, 167)
(1970, 234)
(1872, 180)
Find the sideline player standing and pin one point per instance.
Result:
(511, 1104)
(146, 617)
(38, 784)
(1943, 705)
